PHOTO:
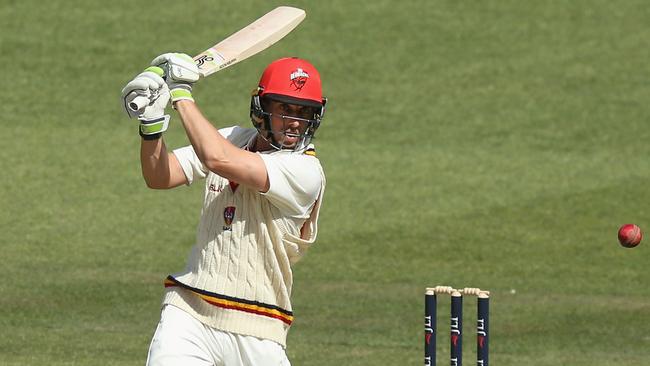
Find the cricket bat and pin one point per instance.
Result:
(246, 42)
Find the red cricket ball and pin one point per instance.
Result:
(629, 235)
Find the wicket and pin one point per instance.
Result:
(456, 332)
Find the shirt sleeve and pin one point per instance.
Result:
(193, 168)
(294, 182)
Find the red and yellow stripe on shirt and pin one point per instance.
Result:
(233, 303)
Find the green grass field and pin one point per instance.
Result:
(493, 144)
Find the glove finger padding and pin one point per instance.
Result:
(158, 102)
(180, 67)
(146, 84)
(153, 120)
(149, 79)
(181, 72)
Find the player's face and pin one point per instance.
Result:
(288, 122)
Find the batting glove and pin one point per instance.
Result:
(146, 97)
(181, 73)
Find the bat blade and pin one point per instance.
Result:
(250, 40)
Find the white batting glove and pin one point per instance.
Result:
(180, 73)
(150, 85)
(146, 84)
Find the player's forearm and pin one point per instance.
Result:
(154, 160)
(214, 151)
(218, 154)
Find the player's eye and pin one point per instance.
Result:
(306, 113)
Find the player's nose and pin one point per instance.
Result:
(292, 123)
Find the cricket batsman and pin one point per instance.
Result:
(231, 305)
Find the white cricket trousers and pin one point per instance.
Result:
(181, 340)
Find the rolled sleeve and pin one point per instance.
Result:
(192, 167)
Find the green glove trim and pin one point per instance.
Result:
(155, 136)
(153, 129)
(156, 70)
(150, 129)
(179, 93)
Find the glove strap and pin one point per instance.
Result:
(153, 129)
(181, 92)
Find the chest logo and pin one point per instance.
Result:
(228, 216)
(215, 188)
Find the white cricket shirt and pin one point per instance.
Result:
(238, 276)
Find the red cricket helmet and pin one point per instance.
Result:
(292, 80)
(288, 80)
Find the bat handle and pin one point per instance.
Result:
(138, 103)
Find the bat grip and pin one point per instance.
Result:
(138, 103)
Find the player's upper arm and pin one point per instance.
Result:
(234, 162)
(295, 182)
(176, 174)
